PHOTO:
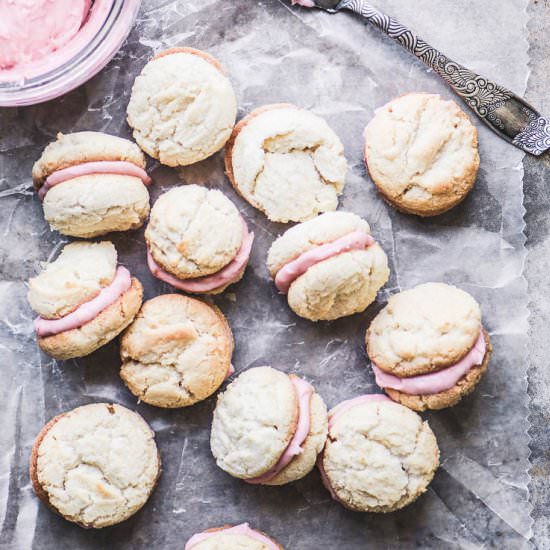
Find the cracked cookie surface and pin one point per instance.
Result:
(379, 457)
(194, 231)
(423, 330)
(422, 153)
(182, 107)
(95, 465)
(177, 351)
(287, 162)
(76, 276)
(254, 421)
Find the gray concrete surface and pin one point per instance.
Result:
(537, 203)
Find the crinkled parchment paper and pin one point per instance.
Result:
(342, 70)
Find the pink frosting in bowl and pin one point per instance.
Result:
(212, 282)
(87, 311)
(118, 167)
(356, 240)
(242, 529)
(304, 392)
(435, 382)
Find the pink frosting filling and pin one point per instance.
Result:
(435, 382)
(89, 310)
(304, 391)
(211, 282)
(357, 240)
(333, 414)
(230, 372)
(119, 167)
(242, 529)
(305, 3)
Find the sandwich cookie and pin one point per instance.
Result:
(268, 427)
(239, 537)
(422, 154)
(328, 267)
(182, 107)
(197, 241)
(91, 184)
(427, 347)
(95, 465)
(83, 300)
(379, 456)
(286, 162)
(176, 352)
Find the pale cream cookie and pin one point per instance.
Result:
(379, 455)
(329, 267)
(237, 537)
(427, 346)
(287, 162)
(92, 183)
(422, 153)
(182, 107)
(83, 300)
(176, 352)
(268, 427)
(95, 465)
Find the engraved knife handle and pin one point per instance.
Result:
(510, 116)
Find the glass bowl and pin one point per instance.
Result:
(61, 71)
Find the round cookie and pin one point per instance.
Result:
(83, 300)
(286, 162)
(176, 352)
(329, 267)
(238, 537)
(182, 107)
(268, 427)
(379, 456)
(91, 184)
(422, 153)
(95, 465)
(196, 236)
(427, 346)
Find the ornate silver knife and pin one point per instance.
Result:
(507, 114)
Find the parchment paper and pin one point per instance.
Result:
(342, 70)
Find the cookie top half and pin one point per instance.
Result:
(194, 231)
(182, 107)
(287, 162)
(76, 276)
(422, 153)
(424, 329)
(95, 465)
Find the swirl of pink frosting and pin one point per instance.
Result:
(333, 414)
(87, 311)
(357, 240)
(211, 282)
(119, 167)
(435, 382)
(294, 448)
(242, 529)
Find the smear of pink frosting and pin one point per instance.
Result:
(230, 372)
(88, 310)
(435, 382)
(211, 282)
(305, 3)
(304, 392)
(357, 240)
(333, 414)
(242, 529)
(118, 167)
